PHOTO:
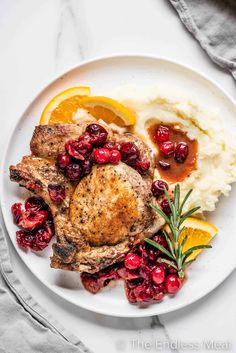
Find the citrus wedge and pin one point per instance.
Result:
(62, 107)
(198, 232)
(109, 110)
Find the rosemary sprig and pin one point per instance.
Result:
(177, 257)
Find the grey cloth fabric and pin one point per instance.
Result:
(25, 327)
(213, 24)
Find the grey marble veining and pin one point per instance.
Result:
(71, 37)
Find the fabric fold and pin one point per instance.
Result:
(213, 24)
(24, 325)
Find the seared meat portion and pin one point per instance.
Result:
(104, 215)
(111, 203)
(49, 140)
(35, 174)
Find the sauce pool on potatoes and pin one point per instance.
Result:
(177, 171)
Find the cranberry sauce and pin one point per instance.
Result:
(177, 154)
(35, 222)
(145, 278)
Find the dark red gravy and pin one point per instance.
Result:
(177, 171)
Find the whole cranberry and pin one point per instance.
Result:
(164, 165)
(129, 153)
(74, 171)
(63, 160)
(57, 193)
(142, 166)
(162, 134)
(101, 155)
(172, 283)
(158, 188)
(167, 148)
(132, 261)
(110, 145)
(71, 147)
(165, 206)
(115, 156)
(86, 166)
(181, 152)
(158, 275)
(97, 133)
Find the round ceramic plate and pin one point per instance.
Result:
(103, 75)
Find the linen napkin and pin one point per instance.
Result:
(25, 327)
(213, 24)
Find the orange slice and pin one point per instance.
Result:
(62, 107)
(198, 232)
(109, 110)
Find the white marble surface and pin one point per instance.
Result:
(38, 40)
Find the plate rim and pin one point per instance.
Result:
(96, 59)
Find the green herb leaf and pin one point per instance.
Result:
(171, 263)
(188, 214)
(161, 213)
(184, 201)
(188, 252)
(159, 247)
(168, 239)
(174, 221)
(187, 263)
(184, 241)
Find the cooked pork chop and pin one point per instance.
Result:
(49, 140)
(104, 215)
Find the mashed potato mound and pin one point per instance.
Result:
(216, 160)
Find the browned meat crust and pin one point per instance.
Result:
(110, 203)
(49, 140)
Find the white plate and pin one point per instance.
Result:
(102, 75)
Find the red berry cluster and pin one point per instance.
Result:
(35, 222)
(145, 278)
(168, 148)
(93, 147)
